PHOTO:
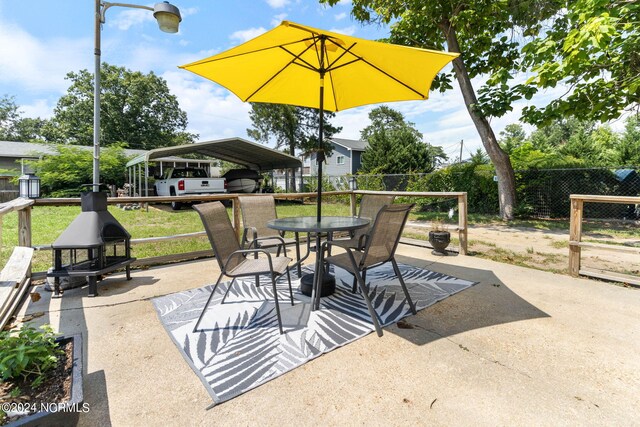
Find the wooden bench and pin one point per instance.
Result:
(14, 282)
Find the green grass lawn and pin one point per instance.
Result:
(47, 222)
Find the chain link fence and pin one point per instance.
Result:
(541, 193)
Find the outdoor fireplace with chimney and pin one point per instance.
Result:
(94, 244)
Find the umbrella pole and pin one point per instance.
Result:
(320, 154)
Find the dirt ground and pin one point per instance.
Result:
(544, 249)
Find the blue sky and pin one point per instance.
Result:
(40, 41)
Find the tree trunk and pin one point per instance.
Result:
(500, 159)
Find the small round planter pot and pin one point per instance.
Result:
(439, 241)
(67, 413)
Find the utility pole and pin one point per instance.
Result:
(461, 145)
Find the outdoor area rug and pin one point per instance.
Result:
(240, 347)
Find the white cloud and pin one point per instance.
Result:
(38, 108)
(128, 18)
(347, 31)
(213, 111)
(277, 19)
(34, 65)
(276, 4)
(248, 34)
(340, 16)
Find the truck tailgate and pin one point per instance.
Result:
(204, 185)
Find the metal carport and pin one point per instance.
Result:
(236, 150)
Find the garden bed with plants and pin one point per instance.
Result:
(41, 377)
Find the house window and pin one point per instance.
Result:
(340, 160)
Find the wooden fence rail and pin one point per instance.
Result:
(233, 198)
(576, 244)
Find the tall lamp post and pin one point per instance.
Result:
(168, 17)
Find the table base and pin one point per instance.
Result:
(328, 285)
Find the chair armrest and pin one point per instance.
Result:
(249, 251)
(349, 252)
(258, 239)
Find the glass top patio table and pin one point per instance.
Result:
(311, 225)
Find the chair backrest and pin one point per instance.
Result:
(370, 205)
(256, 211)
(220, 231)
(385, 234)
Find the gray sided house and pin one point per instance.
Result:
(344, 160)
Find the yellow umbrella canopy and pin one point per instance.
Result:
(299, 65)
(285, 66)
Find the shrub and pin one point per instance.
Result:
(30, 352)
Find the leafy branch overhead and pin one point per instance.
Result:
(593, 48)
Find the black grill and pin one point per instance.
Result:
(94, 244)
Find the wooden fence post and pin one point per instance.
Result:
(24, 227)
(575, 235)
(235, 208)
(462, 223)
(353, 203)
(24, 231)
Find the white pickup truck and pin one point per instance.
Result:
(188, 181)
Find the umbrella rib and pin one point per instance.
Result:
(293, 61)
(214, 59)
(392, 77)
(345, 51)
(359, 58)
(304, 64)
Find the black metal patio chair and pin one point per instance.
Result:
(233, 260)
(380, 248)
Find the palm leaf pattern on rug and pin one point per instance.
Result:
(240, 346)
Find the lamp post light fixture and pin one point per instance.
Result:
(29, 185)
(168, 17)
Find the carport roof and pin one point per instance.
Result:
(235, 150)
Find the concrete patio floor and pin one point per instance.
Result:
(523, 347)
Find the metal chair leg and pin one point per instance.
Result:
(404, 287)
(364, 279)
(372, 311)
(228, 289)
(275, 297)
(290, 288)
(195, 328)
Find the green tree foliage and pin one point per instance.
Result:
(137, 110)
(396, 146)
(593, 47)
(512, 137)
(629, 147)
(64, 173)
(486, 33)
(9, 116)
(14, 127)
(292, 128)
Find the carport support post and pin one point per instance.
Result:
(139, 179)
(575, 235)
(146, 178)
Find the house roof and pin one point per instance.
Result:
(236, 150)
(30, 150)
(351, 144)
